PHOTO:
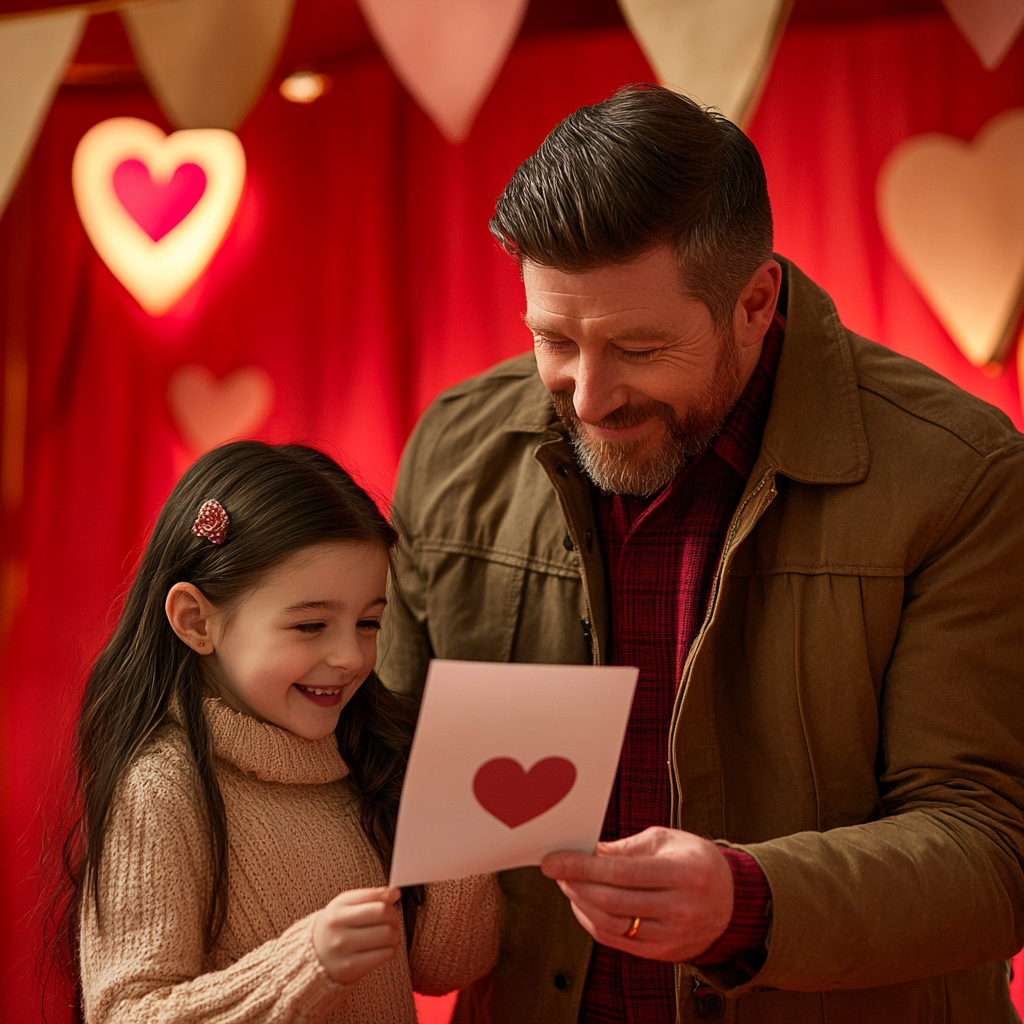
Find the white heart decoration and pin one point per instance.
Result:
(952, 213)
(157, 267)
(209, 412)
(990, 26)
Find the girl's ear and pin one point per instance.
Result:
(189, 612)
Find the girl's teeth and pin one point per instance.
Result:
(310, 689)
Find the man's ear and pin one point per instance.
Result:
(756, 304)
(189, 612)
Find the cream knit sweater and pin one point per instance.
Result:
(294, 843)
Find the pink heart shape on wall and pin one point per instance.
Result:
(515, 796)
(209, 412)
(158, 206)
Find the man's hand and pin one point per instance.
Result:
(678, 884)
(356, 932)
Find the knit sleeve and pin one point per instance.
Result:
(457, 931)
(142, 959)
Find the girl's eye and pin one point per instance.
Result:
(310, 627)
(373, 624)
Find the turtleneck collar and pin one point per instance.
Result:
(270, 752)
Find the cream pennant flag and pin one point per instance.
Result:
(953, 214)
(990, 26)
(717, 51)
(207, 61)
(447, 53)
(34, 53)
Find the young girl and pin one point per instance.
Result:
(240, 766)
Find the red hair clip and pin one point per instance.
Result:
(212, 522)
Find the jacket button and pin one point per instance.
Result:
(562, 981)
(567, 543)
(710, 1005)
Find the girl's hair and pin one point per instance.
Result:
(279, 500)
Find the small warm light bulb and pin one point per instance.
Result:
(305, 86)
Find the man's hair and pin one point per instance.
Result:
(644, 168)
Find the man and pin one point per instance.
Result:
(810, 546)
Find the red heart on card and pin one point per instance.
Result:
(158, 205)
(515, 796)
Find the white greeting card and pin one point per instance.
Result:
(509, 762)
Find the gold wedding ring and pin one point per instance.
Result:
(633, 929)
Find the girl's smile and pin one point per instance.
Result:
(323, 698)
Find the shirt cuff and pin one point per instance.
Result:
(743, 941)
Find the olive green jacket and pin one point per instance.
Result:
(852, 711)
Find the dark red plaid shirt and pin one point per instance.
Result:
(661, 555)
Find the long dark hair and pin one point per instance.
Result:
(279, 500)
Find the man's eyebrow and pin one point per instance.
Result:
(540, 326)
(641, 334)
(331, 606)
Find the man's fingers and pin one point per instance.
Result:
(629, 872)
(647, 843)
(627, 903)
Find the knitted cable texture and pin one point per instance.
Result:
(294, 843)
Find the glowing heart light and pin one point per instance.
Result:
(156, 207)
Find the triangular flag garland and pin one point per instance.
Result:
(717, 51)
(34, 54)
(207, 61)
(447, 53)
(990, 26)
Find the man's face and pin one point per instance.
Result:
(636, 368)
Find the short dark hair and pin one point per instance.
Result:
(644, 168)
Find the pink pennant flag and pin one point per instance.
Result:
(447, 53)
(990, 26)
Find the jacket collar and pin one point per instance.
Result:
(815, 432)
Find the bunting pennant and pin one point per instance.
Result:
(990, 26)
(447, 53)
(953, 215)
(717, 51)
(207, 61)
(34, 54)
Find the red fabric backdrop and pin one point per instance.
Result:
(359, 275)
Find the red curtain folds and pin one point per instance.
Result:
(359, 275)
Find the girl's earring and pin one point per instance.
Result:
(202, 643)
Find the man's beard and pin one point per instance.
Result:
(641, 467)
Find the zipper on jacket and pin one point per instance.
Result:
(730, 545)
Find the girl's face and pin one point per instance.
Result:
(294, 650)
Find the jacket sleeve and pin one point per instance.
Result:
(457, 932)
(143, 959)
(405, 649)
(935, 884)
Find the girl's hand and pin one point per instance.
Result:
(356, 932)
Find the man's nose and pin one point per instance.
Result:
(597, 392)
